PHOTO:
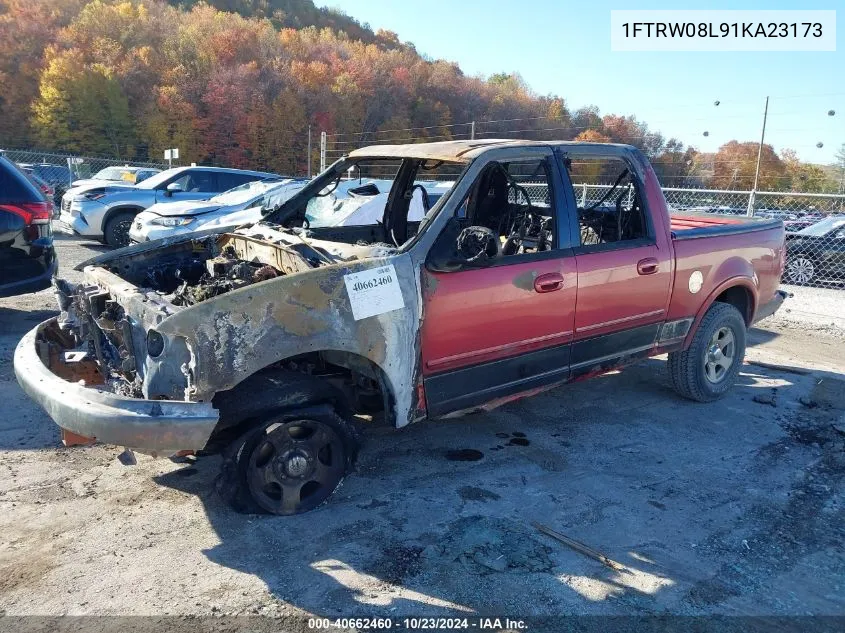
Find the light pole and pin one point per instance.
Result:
(759, 155)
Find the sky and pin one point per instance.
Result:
(562, 47)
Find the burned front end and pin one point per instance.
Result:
(105, 346)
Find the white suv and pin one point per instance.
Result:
(105, 212)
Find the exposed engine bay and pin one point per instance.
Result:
(106, 334)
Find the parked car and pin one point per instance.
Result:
(124, 174)
(362, 203)
(105, 211)
(245, 204)
(39, 182)
(57, 176)
(27, 258)
(264, 343)
(816, 253)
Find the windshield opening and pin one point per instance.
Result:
(155, 181)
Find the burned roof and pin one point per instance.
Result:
(460, 151)
(447, 151)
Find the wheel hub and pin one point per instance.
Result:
(719, 355)
(296, 464)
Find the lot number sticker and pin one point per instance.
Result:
(373, 292)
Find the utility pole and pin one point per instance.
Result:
(322, 152)
(309, 151)
(759, 154)
(472, 131)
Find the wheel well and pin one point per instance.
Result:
(740, 298)
(352, 384)
(113, 212)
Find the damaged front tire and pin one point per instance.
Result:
(288, 464)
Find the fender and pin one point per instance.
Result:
(234, 335)
(742, 281)
(120, 208)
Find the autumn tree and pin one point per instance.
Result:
(82, 109)
(735, 164)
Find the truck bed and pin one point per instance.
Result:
(692, 226)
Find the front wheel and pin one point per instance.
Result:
(290, 463)
(708, 368)
(116, 231)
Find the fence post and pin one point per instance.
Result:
(583, 195)
(322, 152)
(472, 131)
(309, 152)
(752, 198)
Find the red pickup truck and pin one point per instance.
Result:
(264, 342)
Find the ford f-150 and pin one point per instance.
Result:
(269, 341)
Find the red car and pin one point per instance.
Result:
(263, 342)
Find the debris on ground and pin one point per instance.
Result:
(767, 398)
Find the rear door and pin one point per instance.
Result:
(623, 259)
(504, 328)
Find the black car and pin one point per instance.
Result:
(58, 177)
(817, 253)
(27, 259)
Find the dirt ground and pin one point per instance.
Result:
(734, 507)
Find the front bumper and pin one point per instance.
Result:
(85, 219)
(160, 427)
(768, 309)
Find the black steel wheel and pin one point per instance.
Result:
(293, 466)
(290, 463)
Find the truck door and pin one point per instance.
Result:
(623, 259)
(501, 325)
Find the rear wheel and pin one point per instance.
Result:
(116, 231)
(290, 463)
(800, 269)
(708, 369)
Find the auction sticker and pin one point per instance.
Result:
(373, 292)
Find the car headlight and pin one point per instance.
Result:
(171, 221)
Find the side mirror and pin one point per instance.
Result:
(173, 187)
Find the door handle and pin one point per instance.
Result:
(548, 282)
(648, 266)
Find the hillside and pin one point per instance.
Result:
(295, 14)
(241, 82)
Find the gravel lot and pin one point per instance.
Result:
(734, 507)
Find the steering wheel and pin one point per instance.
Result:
(519, 225)
(478, 243)
(425, 200)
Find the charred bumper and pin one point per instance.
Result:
(149, 426)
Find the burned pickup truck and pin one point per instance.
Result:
(270, 342)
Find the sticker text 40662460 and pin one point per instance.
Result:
(373, 292)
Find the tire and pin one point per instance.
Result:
(800, 269)
(701, 373)
(290, 463)
(116, 230)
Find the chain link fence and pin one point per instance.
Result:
(815, 223)
(60, 170)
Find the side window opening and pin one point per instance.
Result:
(610, 206)
(511, 203)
